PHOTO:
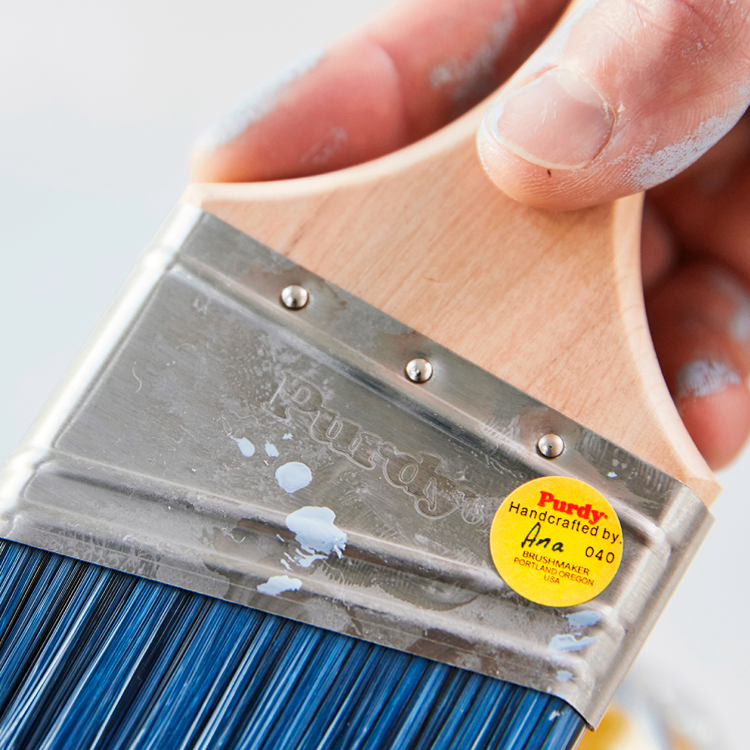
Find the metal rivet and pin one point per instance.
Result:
(550, 445)
(294, 297)
(419, 370)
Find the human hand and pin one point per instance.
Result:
(623, 97)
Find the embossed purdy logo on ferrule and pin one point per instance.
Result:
(436, 495)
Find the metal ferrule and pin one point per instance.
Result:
(208, 424)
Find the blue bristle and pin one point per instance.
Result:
(93, 658)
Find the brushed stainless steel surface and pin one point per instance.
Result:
(203, 416)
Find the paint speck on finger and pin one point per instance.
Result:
(563, 675)
(276, 585)
(246, 447)
(705, 378)
(319, 154)
(293, 476)
(733, 289)
(255, 106)
(472, 79)
(271, 449)
(654, 168)
(739, 326)
(287, 436)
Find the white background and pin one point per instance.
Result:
(99, 104)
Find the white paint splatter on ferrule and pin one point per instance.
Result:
(703, 378)
(293, 476)
(271, 450)
(583, 619)
(246, 447)
(276, 585)
(564, 643)
(315, 530)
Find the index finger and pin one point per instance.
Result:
(404, 75)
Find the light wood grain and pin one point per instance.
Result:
(550, 302)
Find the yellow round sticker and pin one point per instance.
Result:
(556, 541)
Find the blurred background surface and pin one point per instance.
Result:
(100, 103)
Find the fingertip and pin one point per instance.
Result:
(206, 165)
(540, 187)
(524, 182)
(718, 422)
(344, 109)
(697, 324)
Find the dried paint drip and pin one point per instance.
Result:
(705, 378)
(275, 585)
(583, 619)
(246, 447)
(563, 644)
(293, 476)
(303, 559)
(315, 531)
(271, 449)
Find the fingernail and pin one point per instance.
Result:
(705, 378)
(558, 121)
(256, 105)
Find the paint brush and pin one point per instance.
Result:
(145, 641)
(240, 427)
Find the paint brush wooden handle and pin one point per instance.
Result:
(550, 302)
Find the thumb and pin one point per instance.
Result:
(624, 95)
